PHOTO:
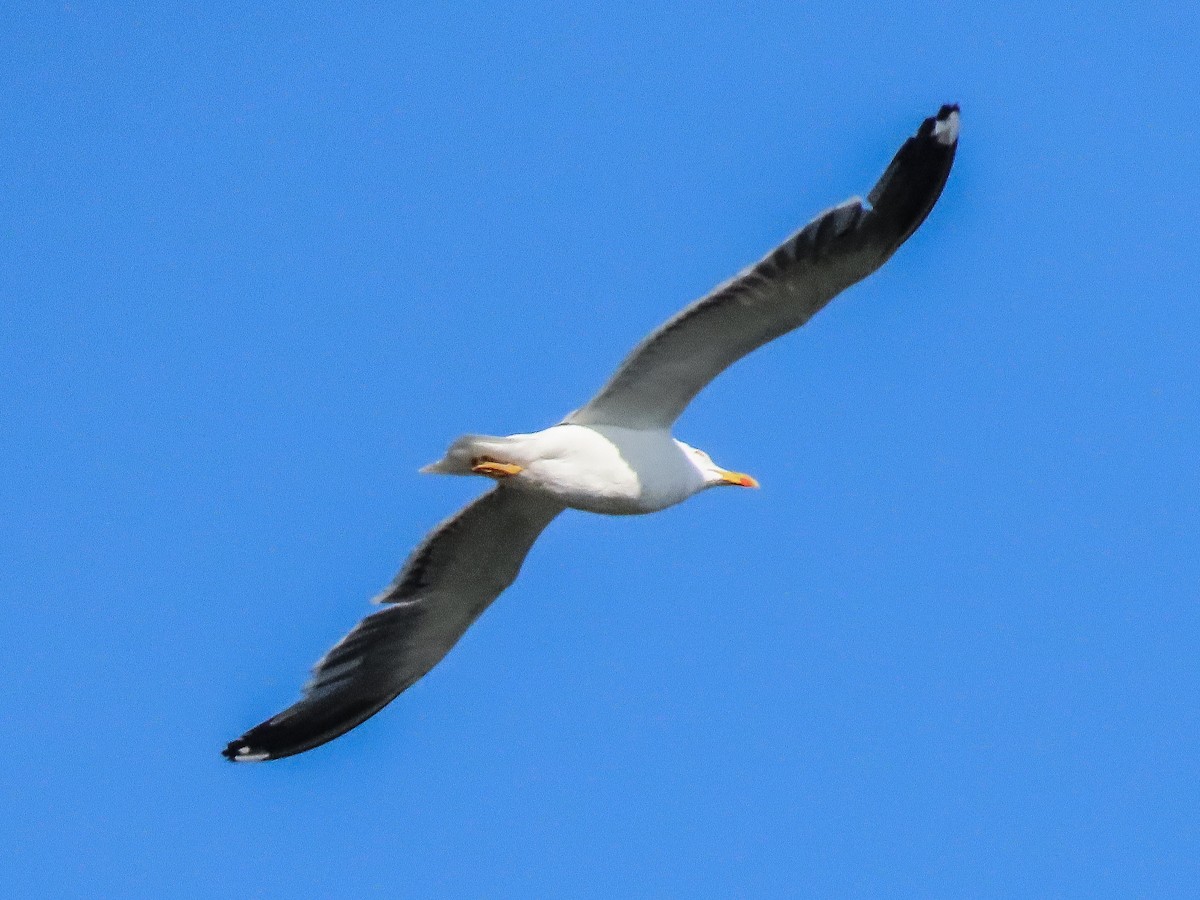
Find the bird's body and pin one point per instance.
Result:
(596, 468)
(615, 455)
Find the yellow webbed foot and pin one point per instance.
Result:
(496, 470)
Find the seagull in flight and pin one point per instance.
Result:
(614, 455)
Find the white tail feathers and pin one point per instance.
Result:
(463, 453)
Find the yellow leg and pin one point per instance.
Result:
(496, 469)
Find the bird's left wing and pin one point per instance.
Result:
(452, 577)
(839, 247)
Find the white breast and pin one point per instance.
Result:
(603, 469)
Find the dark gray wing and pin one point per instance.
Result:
(838, 248)
(457, 571)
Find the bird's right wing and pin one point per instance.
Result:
(452, 577)
(841, 246)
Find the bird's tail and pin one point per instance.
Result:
(464, 452)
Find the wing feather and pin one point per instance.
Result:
(841, 246)
(448, 581)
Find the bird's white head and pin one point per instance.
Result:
(713, 474)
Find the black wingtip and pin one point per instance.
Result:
(913, 182)
(240, 751)
(309, 723)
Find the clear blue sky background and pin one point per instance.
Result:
(259, 265)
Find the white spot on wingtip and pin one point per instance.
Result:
(244, 755)
(946, 131)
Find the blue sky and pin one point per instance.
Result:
(259, 265)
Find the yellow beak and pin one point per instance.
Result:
(739, 478)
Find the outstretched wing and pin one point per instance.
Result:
(457, 571)
(838, 248)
